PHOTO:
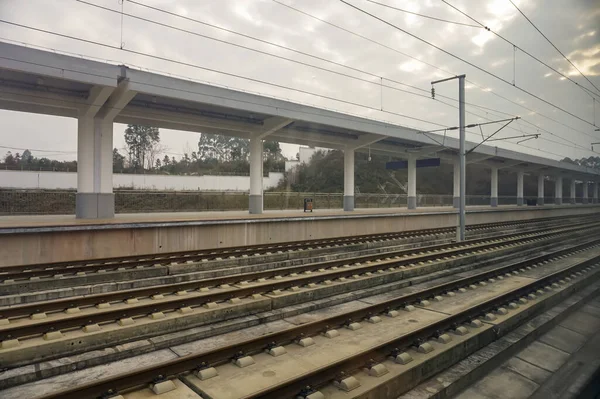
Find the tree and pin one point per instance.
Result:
(9, 159)
(141, 144)
(26, 158)
(118, 161)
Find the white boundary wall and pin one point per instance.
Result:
(68, 180)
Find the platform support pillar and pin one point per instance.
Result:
(558, 190)
(494, 187)
(456, 180)
(412, 182)
(540, 196)
(520, 197)
(255, 205)
(95, 198)
(349, 179)
(595, 192)
(573, 200)
(586, 193)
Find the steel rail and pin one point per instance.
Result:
(136, 378)
(170, 304)
(24, 272)
(77, 320)
(48, 269)
(346, 367)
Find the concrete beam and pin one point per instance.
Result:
(365, 140)
(117, 101)
(477, 158)
(271, 125)
(37, 109)
(41, 98)
(96, 99)
(498, 165)
(424, 151)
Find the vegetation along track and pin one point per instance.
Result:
(305, 383)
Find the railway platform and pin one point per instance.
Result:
(56, 238)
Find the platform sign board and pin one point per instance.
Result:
(421, 163)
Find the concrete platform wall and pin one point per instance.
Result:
(34, 245)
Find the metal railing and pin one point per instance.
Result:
(23, 202)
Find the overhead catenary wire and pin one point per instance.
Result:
(374, 120)
(423, 15)
(465, 61)
(356, 104)
(588, 91)
(480, 87)
(269, 54)
(37, 150)
(191, 65)
(189, 91)
(148, 20)
(552, 44)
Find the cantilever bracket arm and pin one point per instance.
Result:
(492, 135)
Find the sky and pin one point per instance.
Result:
(386, 74)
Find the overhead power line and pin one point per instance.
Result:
(464, 61)
(485, 90)
(38, 150)
(585, 89)
(378, 76)
(422, 15)
(377, 83)
(196, 66)
(552, 44)
(183, 118)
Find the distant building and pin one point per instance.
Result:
(304, 155)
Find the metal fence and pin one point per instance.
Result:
(15, 202)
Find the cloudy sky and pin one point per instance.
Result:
(367, 75)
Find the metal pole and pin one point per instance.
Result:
(462, 154)
(462, 158)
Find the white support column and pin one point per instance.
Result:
(520, 177)
(494, 187)
(595, 192)
(255, 205)
(573, 201)
(585, 192)
(412, 182)
(456, 179)
(95, 198)
(540, 199)
(558, 190)
(349, 179)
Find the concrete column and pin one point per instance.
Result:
(349, 180)
(412, 182)
(520, 177)
(494, 188)
(95, 198)
(456, 179)
(255, 205)
(573, 201)
(595, 192)
(585, 192)
(558, 191)
(540, 199)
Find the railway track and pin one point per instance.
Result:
(26, 321)
(305, 384)
(15, 273)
